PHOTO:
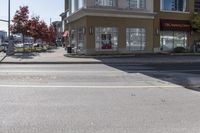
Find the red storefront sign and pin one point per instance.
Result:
(175, 25)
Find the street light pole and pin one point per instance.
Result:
(9, 20)
(10, 47)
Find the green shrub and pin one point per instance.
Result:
(179, 50)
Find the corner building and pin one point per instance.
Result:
(128, 26)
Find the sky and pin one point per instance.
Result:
(46, 9)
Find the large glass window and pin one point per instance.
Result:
(106, 38)
(80, 39)
(108, 3)
(197, 6)
(72, 6)
(81, 4)
(76, 4)
(135, 39)
(73, 40)
(134, 4)
(174, 5)
(172, 39)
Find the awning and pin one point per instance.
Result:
(66, 34)
(175, 25)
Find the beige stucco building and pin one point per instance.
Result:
(129, 26)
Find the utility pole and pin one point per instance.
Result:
(9, 21)
(10, 50)
(4, 20)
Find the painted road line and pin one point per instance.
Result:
(32, 71)
(95, 71)
(71, 86)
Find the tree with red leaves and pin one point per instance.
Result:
(51, 34)
(35, 28)
(21, 22)
(43, 31)
(40, 30)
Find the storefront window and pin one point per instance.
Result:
(80, 39)
(174, 5)
(172, 39)
(135, 39)
(106, 38)
(73, 40)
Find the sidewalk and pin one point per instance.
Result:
(2, 56)
(56, 56)
(52, 56)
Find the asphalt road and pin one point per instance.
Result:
(100, 98)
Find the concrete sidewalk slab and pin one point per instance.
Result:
(2, 56)
(57, 56)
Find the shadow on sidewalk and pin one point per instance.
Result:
(24, 55)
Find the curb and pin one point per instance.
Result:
(129, 55)
(98, 56)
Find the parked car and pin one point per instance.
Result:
(1, 48)
(18, 45)
(4, 47)
(36, 44)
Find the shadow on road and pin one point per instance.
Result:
(183, 74)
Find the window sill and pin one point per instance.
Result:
(108, 7)
(168, 11)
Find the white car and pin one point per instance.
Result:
(1, 48)
(19, 45)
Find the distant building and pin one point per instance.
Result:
(3, 35)
(58, 27)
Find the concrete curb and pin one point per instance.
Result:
(130, 55)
